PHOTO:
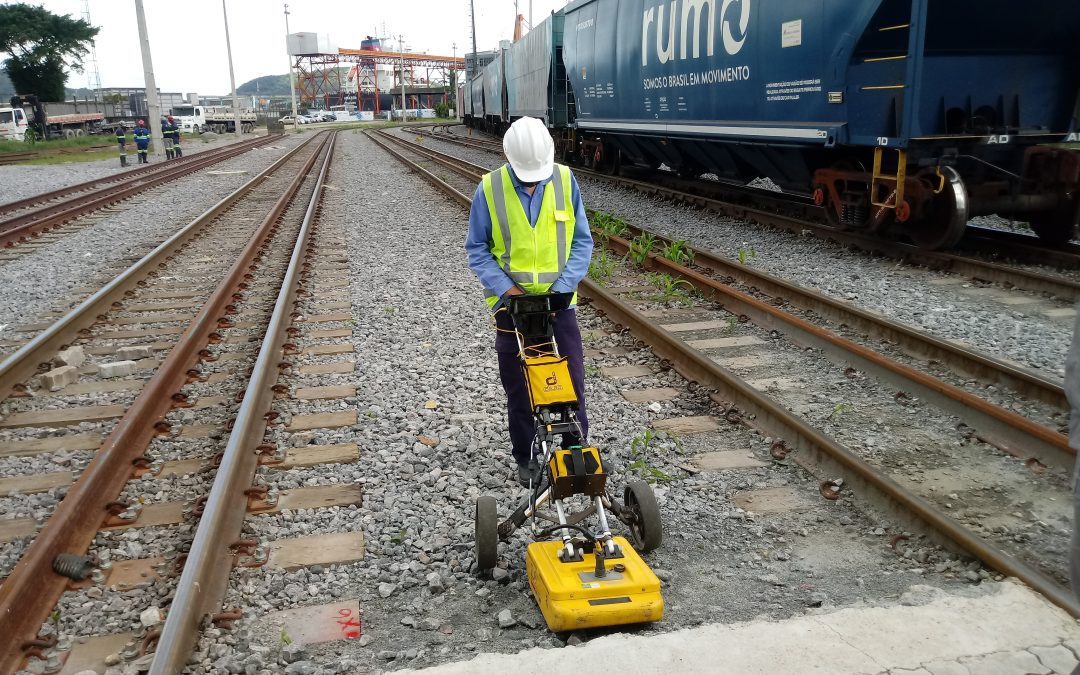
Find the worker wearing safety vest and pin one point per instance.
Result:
(528, 233)
(142, 141)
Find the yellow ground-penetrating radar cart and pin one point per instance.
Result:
(583, 578)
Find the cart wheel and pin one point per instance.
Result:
(646, 532)
(487, 533)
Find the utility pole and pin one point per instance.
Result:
(472, 16)
(153, 118)
(454, 83)
(292, 82)
(232, 79)
(530, 15)
(404, 106)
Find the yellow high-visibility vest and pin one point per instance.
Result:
(533, 257)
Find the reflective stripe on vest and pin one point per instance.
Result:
(525, 252)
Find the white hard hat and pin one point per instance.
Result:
(529, 149)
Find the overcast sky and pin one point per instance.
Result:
(187, 38)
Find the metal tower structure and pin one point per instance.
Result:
(318, 78)
(93, 75)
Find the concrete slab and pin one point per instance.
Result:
(770, 500)
(725, 342)
(315, 350)
(321, 549)
(625, 371)
(331, 420)
(335, 367)
(726, 459)
(682, 426)
(1016, 300)
(313, 625)
(988, 629)
(36, 446)
(648, 395)
(90, 653)
(693, 326)
(749, 361)
(321, 393)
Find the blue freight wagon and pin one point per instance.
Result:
(896, 115)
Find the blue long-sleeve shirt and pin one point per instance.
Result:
(479, 241)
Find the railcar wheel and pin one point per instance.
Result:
(646, 531)
(487, 533)
(1058, 226)
(946, 219)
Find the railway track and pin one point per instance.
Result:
(29, 155)
(28, 219)
(800, 215)
(217, 295)
(949, 476)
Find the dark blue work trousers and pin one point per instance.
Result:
(519, 414)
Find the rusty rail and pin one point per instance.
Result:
(968, 362)
(203, 583)
(22, 227)
(825, 452)
(33, 588)
(1003, 428)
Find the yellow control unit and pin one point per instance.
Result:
(571, 596)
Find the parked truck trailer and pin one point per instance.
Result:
(194, 119)
(63, 119)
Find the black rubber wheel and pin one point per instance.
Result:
(487, 533)
(646, 532)
(944, 226)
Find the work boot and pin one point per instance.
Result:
(177, 152)
(168, 154)
(528, 473)
(123, 160)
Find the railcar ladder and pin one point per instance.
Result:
(896, 180)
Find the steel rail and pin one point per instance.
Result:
(965, 361)
(19, 366)
(131, 174)
(832, 457)
(1002, 428)
(1062, 287)
(827, 454)
(456, 164)
(21, 228)
(33, 588)
(1009, 244)
(204, 580)
(449, 189)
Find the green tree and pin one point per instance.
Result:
(40, 45)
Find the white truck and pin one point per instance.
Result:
(219, 119)
(50, 120)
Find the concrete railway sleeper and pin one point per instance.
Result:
(29, 593)
(817, 451)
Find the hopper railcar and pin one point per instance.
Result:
(897, 116)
